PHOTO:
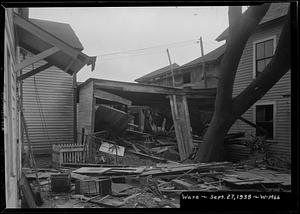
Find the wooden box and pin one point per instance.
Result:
(67, 153)
(93, 187)
(60, 182)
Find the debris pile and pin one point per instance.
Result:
(132, 160)
(159, 185)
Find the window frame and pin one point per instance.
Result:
(184, 75)
(254, 51)
(262, 103)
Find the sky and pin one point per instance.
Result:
(130, 42)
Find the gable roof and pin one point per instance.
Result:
(35, 39)
(62, 31)
(211, 56)
(157, 72)
(276, 10)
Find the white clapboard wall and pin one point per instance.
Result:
(48, 108)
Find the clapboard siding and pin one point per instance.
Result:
(55, 94)
(86, 108)
(244, 76)
(11, 120)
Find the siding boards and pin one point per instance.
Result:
(86, 109)
(55, 94)
(12, 141)
(244, 76)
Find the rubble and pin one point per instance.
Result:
(128, 165)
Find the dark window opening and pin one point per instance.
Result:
(186, 78)
(265, 120)
(263, 55)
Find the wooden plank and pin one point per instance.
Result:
(34, 71)
(134, 87)
(111, 97)
(141, 121)
(182, 184)
(27, 192)
(79, 176)
(148, 156)
(36, 58)
(86, 108)
(91, 170)
(182, 125)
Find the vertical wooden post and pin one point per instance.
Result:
(75, 108)
(141, 120)
(182, 126)
(173, 78)
(82, 136)
(203, 63)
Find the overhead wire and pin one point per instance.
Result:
(140, 54)
(148, 48)
(145, 51)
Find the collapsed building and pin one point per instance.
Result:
(106, 138)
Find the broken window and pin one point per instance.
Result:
(264, 52)
(265, 120)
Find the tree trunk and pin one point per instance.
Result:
(227, 109)
(214, 138)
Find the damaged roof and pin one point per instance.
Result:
(61, 48)
(276, 11)
(157, 72)
(62, 31)
(211, 56)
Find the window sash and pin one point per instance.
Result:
(265, 119)
(264, 51)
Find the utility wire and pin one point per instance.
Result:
(135, 55)
(175, 44)
(147, 48)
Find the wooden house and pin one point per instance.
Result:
(273, 111)
(190, 74)
(49, 101)
(176, 101)
(20, 32)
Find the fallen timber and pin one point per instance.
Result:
(166, 169)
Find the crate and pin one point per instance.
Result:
(68, 153)
(93, 187)
(60, 182)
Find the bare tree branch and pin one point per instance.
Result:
(236, 43)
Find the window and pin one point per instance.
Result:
(263, 53)
(265, 119)
(186, 78)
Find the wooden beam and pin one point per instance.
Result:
(253, 125)
(36, 58)
(199, 96)
(34, 71)
(134, 87)
(69, 65)
(111, 97)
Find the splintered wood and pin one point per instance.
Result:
(181, 119)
